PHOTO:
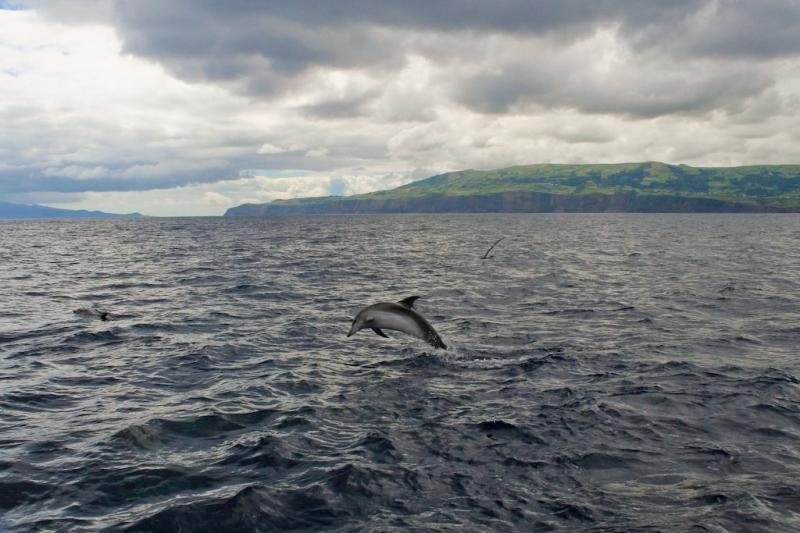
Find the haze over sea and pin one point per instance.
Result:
(606, 372)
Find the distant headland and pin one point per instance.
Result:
(590, 188)
(23, 211)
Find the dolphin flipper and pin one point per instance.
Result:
(408, 302)
(381, 333)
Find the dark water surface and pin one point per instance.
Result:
(606, 372)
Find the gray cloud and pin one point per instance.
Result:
(729, 29)
(347, 107)
(261, 47)
(268, 48)
(654, 89)
(332, 86)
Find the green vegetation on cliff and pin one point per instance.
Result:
(610, 187)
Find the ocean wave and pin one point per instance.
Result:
(604, 373)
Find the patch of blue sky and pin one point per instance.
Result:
(338, 187)
(13, 72)
(11, 6)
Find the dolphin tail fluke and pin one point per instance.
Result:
(408, 302)
(436, 341)
(381, 333)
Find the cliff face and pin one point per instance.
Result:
(509, 202)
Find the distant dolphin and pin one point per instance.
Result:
(93, 312)
(397, 316)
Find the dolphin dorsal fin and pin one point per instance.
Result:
(408, 302)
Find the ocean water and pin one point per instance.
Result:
(605, 372)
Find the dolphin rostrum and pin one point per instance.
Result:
(398, 316)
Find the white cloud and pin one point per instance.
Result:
(216, 198)
(269, 149)
(317, 152)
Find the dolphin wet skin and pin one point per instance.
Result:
(398, 316)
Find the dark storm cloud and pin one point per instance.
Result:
(267, 48)
(264, 46)
(720, 29)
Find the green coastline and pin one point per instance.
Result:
(623, 187)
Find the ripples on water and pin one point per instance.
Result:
(606, 371)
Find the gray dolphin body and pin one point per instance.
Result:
(398, 316)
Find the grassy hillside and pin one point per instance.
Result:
(759, 188)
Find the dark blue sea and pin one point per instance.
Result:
(610, 372)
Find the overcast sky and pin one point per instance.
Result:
(186, 107)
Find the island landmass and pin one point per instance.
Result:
(23, 211)
(580, 188)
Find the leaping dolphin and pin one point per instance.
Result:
(398, 316)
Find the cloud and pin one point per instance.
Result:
(601, 74)
(267, 47)
(107, 99)
(82, 117)
(729, 29)
(270, 149)
(317, 152)
(643, 59)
